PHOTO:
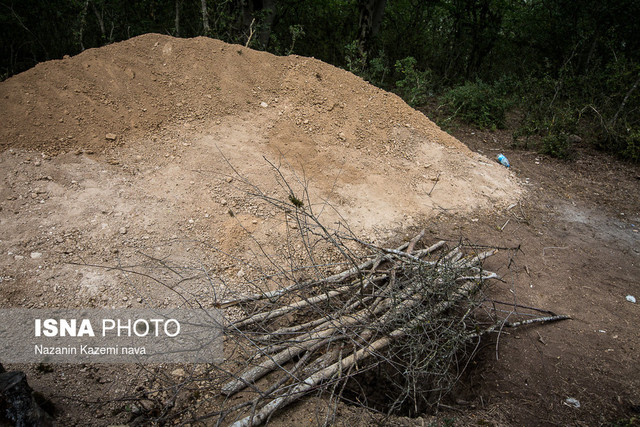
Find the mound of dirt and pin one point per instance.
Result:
(154, 81)
(375, 154)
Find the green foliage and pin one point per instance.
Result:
(616, 116)
(412, 84)
(355, 61)
(630, 146)
(548, 117)
(295, 201)
(553, 126)
(556, 145)
(478, 103)
(603, 105)
(379, 69)
(296, 31)
(329, 25)
(374, 71)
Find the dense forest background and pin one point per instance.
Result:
(562, 71)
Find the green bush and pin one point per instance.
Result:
(374, 71)
(378, 69)
(413, 85)
(296, 31)
(631, 149)
(620, 140)
(557, 145)
(356, 62)
(548, 115)
(477, 103)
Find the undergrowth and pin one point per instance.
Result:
(478, 103)
(555, 111)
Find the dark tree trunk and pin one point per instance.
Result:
(205, 18)
(371, 13)
(264, 13)
(177, 22)
(100, 18)
(269, 8)
(83, 22)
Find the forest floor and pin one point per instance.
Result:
(580, 242)
(131, 149)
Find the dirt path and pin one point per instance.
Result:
(579, 234)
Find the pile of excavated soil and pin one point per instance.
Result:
(150, 142)
(147, 144)
(376, 155)
(153, 82)
(145, 148)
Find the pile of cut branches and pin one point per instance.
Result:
(408, 313)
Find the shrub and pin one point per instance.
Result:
(355, 60)
(556, 145)
(633, 147)
(374, 71)
(378, 69)
(413, 85)
(477, 103)
(627, 146)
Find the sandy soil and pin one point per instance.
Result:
(144, 147)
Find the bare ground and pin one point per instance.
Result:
(165, 187)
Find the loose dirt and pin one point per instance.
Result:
(148, 146)
(139, 143)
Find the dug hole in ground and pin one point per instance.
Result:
(146, 147)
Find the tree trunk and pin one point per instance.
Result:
(83, 22)
(177, 18)
(269, 8)
(205, 18)
(371, 13)
(263, 23)
(100, 18)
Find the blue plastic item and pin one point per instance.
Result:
(503, 160)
